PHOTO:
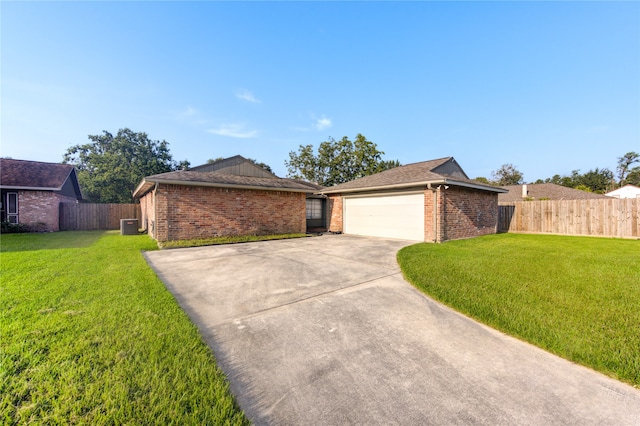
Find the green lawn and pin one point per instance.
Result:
(577, 297)
(89, 335)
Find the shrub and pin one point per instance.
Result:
(13, 228)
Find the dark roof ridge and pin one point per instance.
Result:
(36, 161)
(234, 157)
(443, 159)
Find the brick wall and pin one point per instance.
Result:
(467, 213)
(461, 213)
(429, 231)
(147, 221)
(334, 213)
(184, 212)
(40, 210)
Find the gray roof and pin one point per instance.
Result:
(221, 180)
(549, 191)
(236, 165)
(441, 171)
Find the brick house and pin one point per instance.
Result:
(428, 201)
(32, 191)
(232, 196)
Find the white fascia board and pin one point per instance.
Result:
(28, 188)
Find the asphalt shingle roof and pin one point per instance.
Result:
(549, 191)
(416, 173)
(33, 174)
(196, 178)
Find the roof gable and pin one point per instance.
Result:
(439, 171)
(35, 175)
(627, 191)
(450, 168)
(236, 165)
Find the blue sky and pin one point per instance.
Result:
(547, 86)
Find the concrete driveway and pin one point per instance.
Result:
(324, 330)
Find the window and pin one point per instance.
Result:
(314, 208)
(12, 207)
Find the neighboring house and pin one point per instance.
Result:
(544, 191)
(31, 192)
(627, 191)
(428, 201)
(232, 196)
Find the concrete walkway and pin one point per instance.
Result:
(324, 330)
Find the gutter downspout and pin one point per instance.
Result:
(154, 224)
(435, 212)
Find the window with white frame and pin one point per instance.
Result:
(314, 208)
(12, 207)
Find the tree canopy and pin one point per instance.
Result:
(627, 174)
(507, 174)
(110, 167)
(337, 162)
(596, 180)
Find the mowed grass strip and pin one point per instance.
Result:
(91, 336)
(232, 239)
(577, 297)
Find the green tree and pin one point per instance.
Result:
(507, 174)
(483, 179)
(597, 180)
(633, 177)
(624, 166)
(337, 162)
(110, 167)
(583, 188)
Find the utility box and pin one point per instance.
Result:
(128, 226)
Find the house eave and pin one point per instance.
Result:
(146, 185)
(415, 184)
(30, 188)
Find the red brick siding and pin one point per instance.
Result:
(40, 210)
(467, 213)
(461, 213)
(184, 212)
(147, 208)
(429, 232)
(334, 213)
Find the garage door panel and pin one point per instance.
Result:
(390, 216)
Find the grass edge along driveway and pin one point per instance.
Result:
(91, 335)
(577, 297)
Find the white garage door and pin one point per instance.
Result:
(391, 216)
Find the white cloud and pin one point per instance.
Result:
(234, 130)
(188, 112)
(246, 95)
(191, 116)
(323, 123)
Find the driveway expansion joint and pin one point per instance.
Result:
(304, 299)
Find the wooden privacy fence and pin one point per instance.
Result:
(87, 217)
(612, 217)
